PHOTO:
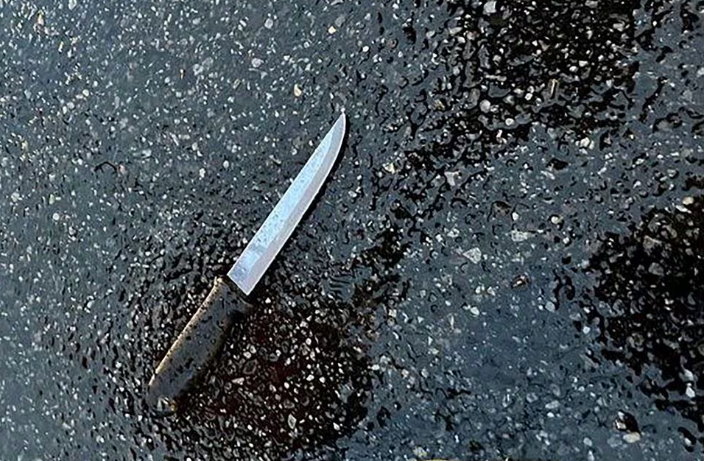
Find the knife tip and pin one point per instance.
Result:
(342, 121)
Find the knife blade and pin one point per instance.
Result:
(276, 229)
(228, 302)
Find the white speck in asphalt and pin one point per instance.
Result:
(451, 177)
(689, 392)
(490, 7)
(552, 405)
(474, 255)
(519, 236)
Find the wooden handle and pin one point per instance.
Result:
(197, 345)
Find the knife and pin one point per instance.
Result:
(228, 302)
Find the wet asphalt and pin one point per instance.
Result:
(505, 262)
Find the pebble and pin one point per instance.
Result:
(490, 7)
(519, 236)
(474, 255)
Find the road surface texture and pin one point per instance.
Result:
(505, 262)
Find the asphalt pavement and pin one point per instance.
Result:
(506, 261)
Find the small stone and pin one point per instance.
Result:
(490, 7)
(73, 4)
(520, 281)
(689, 392)
(56, 216)
(626, 422)
(519, 236)
(688, 376)
(332, 30)
(656, 269)
(631, 437)
(474, 255)
(485, 105)
(650, 243)
(200, 68)
(256, 62)
(269, 23)
(297, 91)
(452, 177)
(291, 421)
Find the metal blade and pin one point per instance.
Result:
(276, 229)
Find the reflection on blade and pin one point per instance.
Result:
(280, 223)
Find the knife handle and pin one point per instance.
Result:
(197, 345)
